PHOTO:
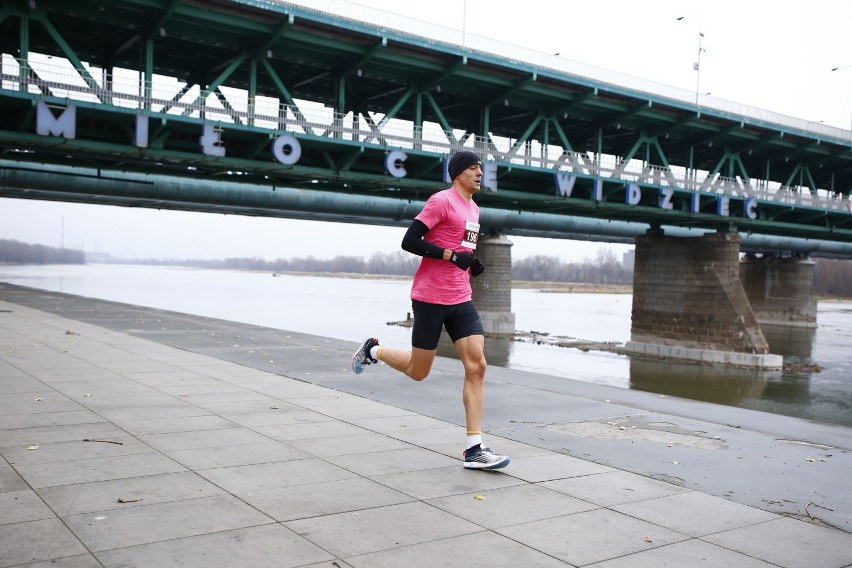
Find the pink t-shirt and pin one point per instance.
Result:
(453, 224)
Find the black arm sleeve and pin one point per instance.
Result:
(413, 241)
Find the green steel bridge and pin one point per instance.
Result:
(268, 108)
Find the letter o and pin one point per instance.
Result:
(283, 143)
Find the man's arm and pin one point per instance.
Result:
(414, 243)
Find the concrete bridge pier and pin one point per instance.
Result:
(688, 302)
(780, 289)
(492, 290)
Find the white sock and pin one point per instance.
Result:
(473, 439)
(374, 350)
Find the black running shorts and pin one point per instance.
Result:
(460, 320)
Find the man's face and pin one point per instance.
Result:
(470, 178)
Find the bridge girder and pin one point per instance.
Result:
(379, 75)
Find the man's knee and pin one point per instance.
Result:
(475, 369)
(418, 374)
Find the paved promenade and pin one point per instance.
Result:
(138, 437)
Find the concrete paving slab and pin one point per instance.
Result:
(346, 407)
(613, 488)
(34, 541)
(593, 536)
(142, 426)
(169, 408)
(58, 418)
(454, 553)
(392, 461)
(225, 396)
(392, 425)
(695, 514)
(228, 409)
(432, 437)
(789, 543)
(128, 492)
(28, 402)
(23, 385)
(65, 433)
(85, 561)
(175, 379)
(276, 414)
(547, 468)
(508, 506)
(52, 474)
(22, 506)
(445, 481)
(310, 430)
(246, 478)
(74, 450)
(319, 499)
(267, 546)
(348, 445)
(229, 456)
(382, 528)
(51, 401)
(202, 439)
(692, 553)
(120, 528)
(10, 480)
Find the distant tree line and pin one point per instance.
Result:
(604, 268)
(397, 263)
(832, 277)
(16, 252)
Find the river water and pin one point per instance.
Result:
(349, 309)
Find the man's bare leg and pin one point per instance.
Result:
(416, 363)
(471, 351)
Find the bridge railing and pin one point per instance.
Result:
(166, 96)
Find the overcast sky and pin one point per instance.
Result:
(776, 56)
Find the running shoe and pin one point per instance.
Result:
(479, 457)
(362, 356)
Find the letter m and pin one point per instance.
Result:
(48, 125)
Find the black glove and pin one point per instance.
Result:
(477, 267)
(462, 259)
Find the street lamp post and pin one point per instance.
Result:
(838, 69)
(697, 64)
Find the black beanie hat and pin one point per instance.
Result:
(460, 162)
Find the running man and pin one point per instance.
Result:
(445, 234)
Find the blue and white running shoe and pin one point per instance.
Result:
(479, 457)
(362, 356)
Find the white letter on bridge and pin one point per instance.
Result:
(564, 183)
(65, 125)
(750, 208)
(209, 141)
(394, 169)
(666, 194)
(489, 176)
(141, 131)
(633, 194)
(294, 149)
(723, 206)
(597, 189)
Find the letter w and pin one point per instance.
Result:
(564, 183)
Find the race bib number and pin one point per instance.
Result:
(471, 235)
